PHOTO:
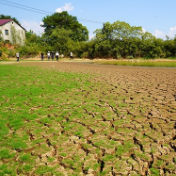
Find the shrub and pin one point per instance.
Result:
(0, 53)
(3, 57)
(84, 55)
(118, 56)
(11, 53)
(28, 51)
(130, 57)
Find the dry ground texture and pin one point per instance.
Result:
(133, 134)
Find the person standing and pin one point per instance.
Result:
(57, 55)
(42, 56)
(18, 56)
(71, 55)
(52, 55)
(48, 55)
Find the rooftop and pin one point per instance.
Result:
(3, 21)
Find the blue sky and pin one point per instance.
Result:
(155, 16)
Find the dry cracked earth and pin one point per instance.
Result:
(134, 134)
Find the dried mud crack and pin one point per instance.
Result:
(123, 125)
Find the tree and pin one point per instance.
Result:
(170, 47)
(67, 22)
(32, 38)
(123, 31)
(9, 17)
(60, 40)
(107, 30)
(152, 46)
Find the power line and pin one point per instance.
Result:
(21, 8)
(24, 7)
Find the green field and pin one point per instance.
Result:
(140, 63)
(36, 103)
(59, 123)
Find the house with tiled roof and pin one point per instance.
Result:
(12, 32)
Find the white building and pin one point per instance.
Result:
(12, 32)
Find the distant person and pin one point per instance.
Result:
(42, 56)
(52, 55)
(71, 55)
(18, 56)
(57, 55)
(48, 54)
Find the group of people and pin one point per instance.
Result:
(49, 55)
(52, 55)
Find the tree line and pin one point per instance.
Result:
(63, 33)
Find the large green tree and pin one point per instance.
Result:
(9, 17)
(65, 21)
(61, 41)
(117, 39)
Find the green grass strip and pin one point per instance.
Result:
(140, 63)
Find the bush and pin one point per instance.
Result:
(3, 57)
(0, 53)
(130, 57)
(28, 51)
(118, 56)
(11, 53)
(84, 55)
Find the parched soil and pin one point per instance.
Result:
(135, 134)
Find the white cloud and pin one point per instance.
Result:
(159, 34)
(68, 7)
(172, 32)
(41, 22)
(33, 25)
(59, 10)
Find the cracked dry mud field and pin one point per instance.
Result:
(126, 126)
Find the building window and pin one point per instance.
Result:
(6, 32)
